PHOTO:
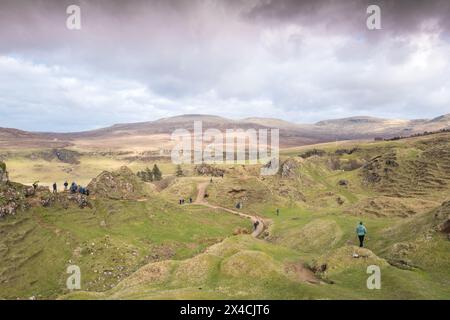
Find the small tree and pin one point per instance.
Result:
(2, 166)
(149, 174)
(179, 171)
(146, 175)
(157, 175)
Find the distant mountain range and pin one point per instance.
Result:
(291, 134)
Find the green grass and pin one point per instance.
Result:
(39, 244)
(157, 249)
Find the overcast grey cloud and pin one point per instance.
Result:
(302, 61)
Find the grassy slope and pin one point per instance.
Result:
(312, 229)
(108, 242)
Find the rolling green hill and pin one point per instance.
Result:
(151, 247)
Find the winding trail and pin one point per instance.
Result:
(201, 187)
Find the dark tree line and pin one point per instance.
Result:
(148, 175)
(426, 133)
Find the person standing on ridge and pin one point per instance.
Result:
(55, 188)
(66, 184)
(361, 232)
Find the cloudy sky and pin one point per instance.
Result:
(301, 61)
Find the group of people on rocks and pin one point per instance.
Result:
(74, 188)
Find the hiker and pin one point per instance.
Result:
(190, 199)
(81, 189)
(55, 188)
(87, 192)
(278, 212)
(35, 185)
(361, 232)
(182, 201)
(179, 201)
(210, 180)
(255, 225)
(66, 184)
(73, 187)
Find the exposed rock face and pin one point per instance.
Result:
(208, 170)
(288, 168)
(120, 184)
(236, 190)
(8, 209)
(379, 168)
(63, 155)
(65, 199)
(345, 151)
(11, 199)
(15, 196)
(313, 152)
(442, 215)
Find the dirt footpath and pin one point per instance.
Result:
(201, 187)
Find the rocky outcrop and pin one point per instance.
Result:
(120, 184)
(288, 168)
(442, 218)
(63, 155)
(341, 152)
(11, 199)
(208, 170)
(15, 197)
(65, 199)
(311, 153)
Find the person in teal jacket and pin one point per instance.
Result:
(361, 232)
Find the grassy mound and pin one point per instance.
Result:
(315, 236)
(250, 264)
(344, 259)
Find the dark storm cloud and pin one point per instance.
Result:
(399, 16)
